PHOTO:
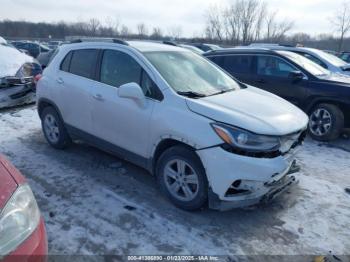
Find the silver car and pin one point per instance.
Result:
(18, 74)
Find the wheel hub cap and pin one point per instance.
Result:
(181, 180)
(51, 128)
(320, 122)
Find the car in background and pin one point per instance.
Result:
(205, 47)
(335, 53)
(18, 75)
(324, 96)
(345, 56)
(192, 48)
(322, 58)
(189, 47)
(22, 229)
(3, 41)
(34, 49)
(45, 58)
(184, 120)
(54, 44)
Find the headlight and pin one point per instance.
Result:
(244, 140)
(18, 219)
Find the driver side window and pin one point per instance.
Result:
(273, 66)
(118, 68)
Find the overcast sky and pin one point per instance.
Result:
(310, 16)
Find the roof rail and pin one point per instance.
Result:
(270, 45)
(112, 40)
(170, 43)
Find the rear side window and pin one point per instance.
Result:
(238, 64)
(83, 62)
(217, 60)
(66, 62)
(273, 66)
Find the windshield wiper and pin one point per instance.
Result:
(222, 92)
(191, 94)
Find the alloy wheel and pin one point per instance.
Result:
(51, 128)
(320, 122)
(181, 180)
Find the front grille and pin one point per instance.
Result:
(15, 81)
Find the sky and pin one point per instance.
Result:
(310, 16)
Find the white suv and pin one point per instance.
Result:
(207, 137)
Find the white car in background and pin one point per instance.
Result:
(206, 137)
(322, 58)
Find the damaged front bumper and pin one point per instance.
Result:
(239, 181)
(17, 93)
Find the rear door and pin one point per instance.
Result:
(74, 81)
(239, 66)
(273, 75)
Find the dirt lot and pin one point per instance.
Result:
(95, 203)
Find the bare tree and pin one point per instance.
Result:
(142, 30)
(276, 30)
(93, 26)
(125, 31)
(175, 32)
(341, 22)
(157, 33)
(215, 27)
(245, 21)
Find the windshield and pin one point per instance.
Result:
(330, 58)
(189, 72)
(305, 63)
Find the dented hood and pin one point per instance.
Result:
(252, 109)
(11, 60)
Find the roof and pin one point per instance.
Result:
(142, 46)
(148, 46)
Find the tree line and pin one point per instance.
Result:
(239, 23)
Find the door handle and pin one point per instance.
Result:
(60, 81)
(98, 97)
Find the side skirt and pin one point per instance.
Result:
(122, 153)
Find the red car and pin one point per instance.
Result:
(22, 229)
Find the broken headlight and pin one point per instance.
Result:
(245, 140)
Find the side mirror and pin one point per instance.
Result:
(296, 76)
(132, 91)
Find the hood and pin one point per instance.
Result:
(252, 109)
(11, 60)
(337, 77)
(8, 184)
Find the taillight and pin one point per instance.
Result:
(37, 78)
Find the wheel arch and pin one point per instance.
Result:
(43, 103)
(343, 106)
(165, 144)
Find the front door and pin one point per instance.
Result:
(123, 122)
(273, 74)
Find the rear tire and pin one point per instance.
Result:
(54, 130)
(326, 122)
(181, 177)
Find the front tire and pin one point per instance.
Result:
(54, 130)
(326, 122)
(181, 177)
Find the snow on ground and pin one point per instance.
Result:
(94, 203)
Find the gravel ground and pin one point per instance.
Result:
(94, 203)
